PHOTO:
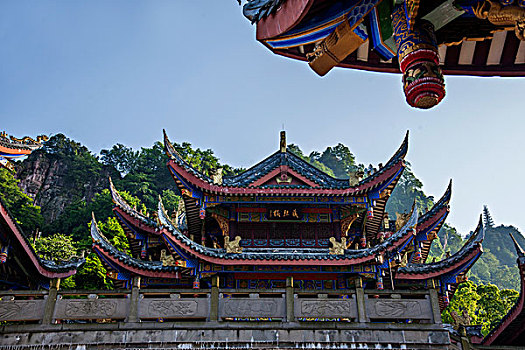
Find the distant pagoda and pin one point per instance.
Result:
(421, 39)
(12, 148)
(284, 218)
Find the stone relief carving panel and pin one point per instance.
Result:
(399, 308)
(21, 310)
(173, 308)
(253, 308)
(325, 308)
(91, 308)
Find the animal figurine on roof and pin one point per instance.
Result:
(233, 246)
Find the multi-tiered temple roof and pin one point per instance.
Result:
(284, 218)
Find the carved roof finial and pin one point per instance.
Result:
(283, 141)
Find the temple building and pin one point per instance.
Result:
(20, 266)
(281, 255)
(285, 220)
(12, 148)
(421, 39)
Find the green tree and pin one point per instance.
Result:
(20, 205)
(56, 248)
(93, 275)
(338, 158)
(311, 159)
(170, 200)
(485, 304)
(408, 188)
(123, 158)
(115, 234)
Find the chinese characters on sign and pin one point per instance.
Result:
(284, 214)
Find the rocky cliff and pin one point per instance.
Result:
(61, 173)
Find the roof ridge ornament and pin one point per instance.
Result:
(168, 146)
(282, 143)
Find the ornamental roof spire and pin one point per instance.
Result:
(283, 142)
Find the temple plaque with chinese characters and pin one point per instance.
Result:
(291, 213)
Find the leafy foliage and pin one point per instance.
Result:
(93, 275)
(121, 157)
(115, 234)
(57, 247)
(485, 304)
(20, 205)
(498, 263)
(408, 189)
(339, 159)
(298, 152)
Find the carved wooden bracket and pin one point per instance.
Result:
(224, 223)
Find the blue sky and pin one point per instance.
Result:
(106, 72)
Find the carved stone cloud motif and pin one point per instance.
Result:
(21, 310)
(397, 308)
(326, 308)
(96, 308)
(251, 308)
(165, 308)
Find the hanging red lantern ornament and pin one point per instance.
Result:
(3, 255)
(445, 298)
(370, 213)
(196, 284)
(362, 242)
(379, 283)
(417, 254)
(202, 213)
(418, 57)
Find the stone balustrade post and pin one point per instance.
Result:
(360, 300)
(133, 315)
(214, 299)
(434, 302)
(49, 308)
(290, 316)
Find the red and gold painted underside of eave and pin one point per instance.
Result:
(440, 215)
(503, 55)
(15, 152)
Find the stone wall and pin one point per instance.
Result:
(222, 319)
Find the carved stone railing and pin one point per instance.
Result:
(414, 306)
(219, 305)
(326, 306)
(97, 306)
(166, 305)
(22, 305)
